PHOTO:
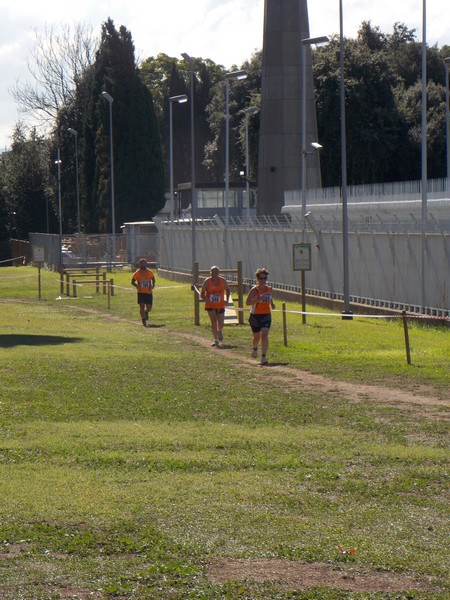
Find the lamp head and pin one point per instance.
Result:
(237, 75)
(107, 97)
(180, 99)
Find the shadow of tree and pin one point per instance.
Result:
(10, 340)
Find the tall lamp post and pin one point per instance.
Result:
(233, 75)
(58, 164)
(424, 149)
(191, 62)
(110, 101)
(447, 117)
(323, 39)
(345, 262)
(252, 110)
(180, 99)
(75, 135)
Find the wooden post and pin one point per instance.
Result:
(97, 281)
(109, 293)
(284, 324)
(61, 281)
(39, 280)
(68, 284)
(112, 287)
(104, 283)
(303, 298)
(405, 329)
(195, 276)
(240, 290)
(74, 286)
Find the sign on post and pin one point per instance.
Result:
(301, 257)
(301, 261)
(38, 253)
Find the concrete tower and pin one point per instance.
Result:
(280, 139)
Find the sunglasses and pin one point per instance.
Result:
(262, 277)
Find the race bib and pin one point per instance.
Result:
(214, 298)
(266, 298)
(145, 284)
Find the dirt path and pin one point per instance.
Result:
(420, 395)
(296, 378)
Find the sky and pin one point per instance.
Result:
(225, 31)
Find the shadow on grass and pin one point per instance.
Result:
(10, 340)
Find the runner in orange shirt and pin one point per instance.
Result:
(260, 299)
(213, 292)
(144, 281)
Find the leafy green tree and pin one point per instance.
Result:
(382, 83)
(25, 183)
(138, 164)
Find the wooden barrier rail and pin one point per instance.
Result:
(67, 274)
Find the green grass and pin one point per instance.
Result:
(129, 457)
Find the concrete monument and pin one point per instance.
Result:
(280, 140)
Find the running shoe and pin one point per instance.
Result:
(220, 336)
(144, 322)
(215, 343)
(264, 360)
(255, 353)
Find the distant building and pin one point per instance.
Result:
(210, 200)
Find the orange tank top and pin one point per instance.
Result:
(264, 302)
(215, 294)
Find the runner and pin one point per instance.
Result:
(144, 281)
(260, 299)
(213, 292)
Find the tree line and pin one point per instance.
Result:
(73, 68)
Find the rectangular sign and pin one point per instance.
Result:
(301, 257)
(38, 254)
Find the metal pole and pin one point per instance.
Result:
(58, 162)
(113, 216)
(306, 42)
(303, 159)
(110, 100)
(248, 111)
(77, 183)
(171, 159)
(191, 61)
(447, 117)
(345, 265)
(227, 151)
(228, 76)
(424, 151)
(247, 170)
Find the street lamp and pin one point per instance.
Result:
(58, 163)
(191, 62)
(110, 101)
(75, 135)
(180, 99)
(248, 112)
(424, 150)
(239, 75)
(345, 262)
(306, 42)
(447, 117)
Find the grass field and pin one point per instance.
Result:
(142, 463)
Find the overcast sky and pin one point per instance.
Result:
(226, 31)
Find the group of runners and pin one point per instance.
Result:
(216, 294)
